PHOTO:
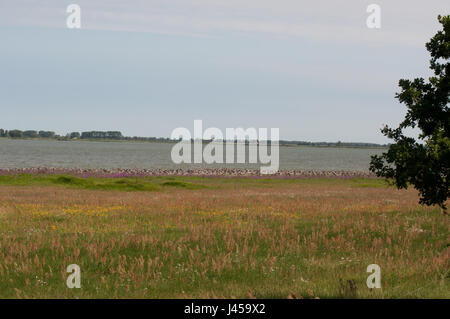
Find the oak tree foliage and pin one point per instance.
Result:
(423, 162)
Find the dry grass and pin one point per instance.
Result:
(235, 238)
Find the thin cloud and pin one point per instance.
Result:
(404, 23)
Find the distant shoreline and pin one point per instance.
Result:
(198, 172)
(281, 143)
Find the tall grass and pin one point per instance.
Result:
(218, 237)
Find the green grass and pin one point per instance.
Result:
(128, 184)
(149, 184)
(196, 237)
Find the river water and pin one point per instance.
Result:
(89, 154)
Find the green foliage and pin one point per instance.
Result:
(113, 135)
(15, 134)
(30, 134)
(74, 135)
(47, 134)
(424, 163)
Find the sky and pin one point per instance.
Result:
(313, 69)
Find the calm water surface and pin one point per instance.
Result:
(86, 154)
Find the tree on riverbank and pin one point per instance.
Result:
(425, 162)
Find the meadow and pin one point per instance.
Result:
(197, 237)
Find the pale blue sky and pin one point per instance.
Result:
(311, 68)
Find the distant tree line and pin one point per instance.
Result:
(117, 135)
(89, 135)
(110, 135)
(27, 134)
(332, 144)
(147, 139)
